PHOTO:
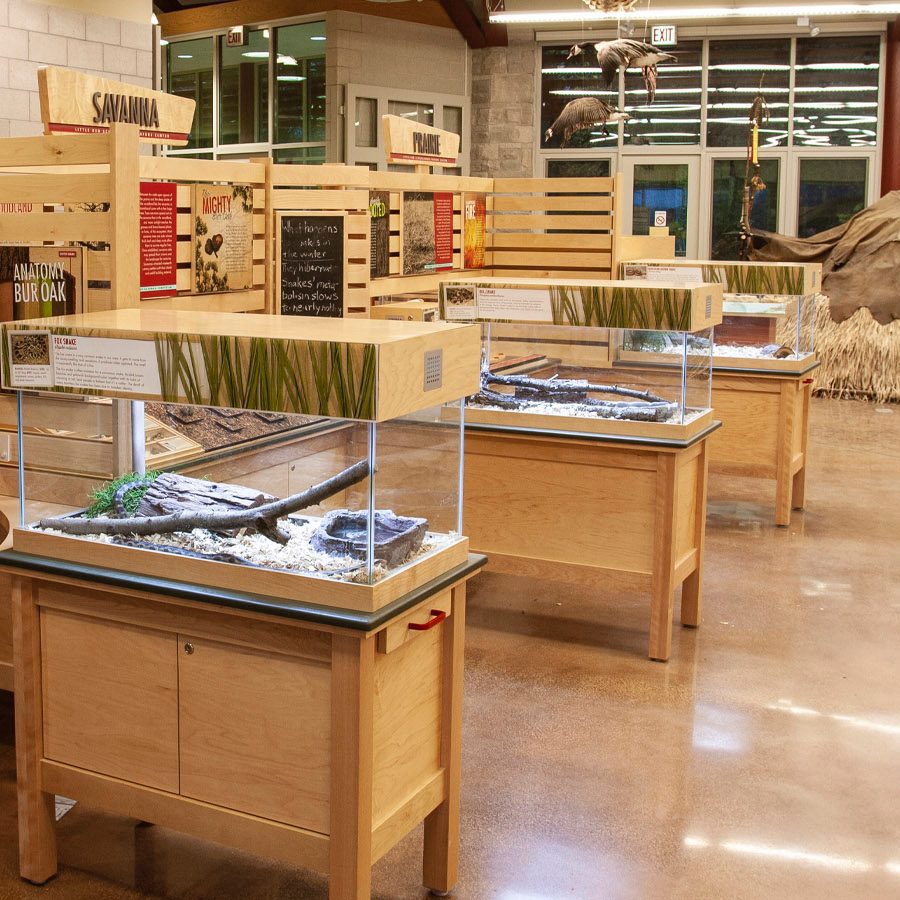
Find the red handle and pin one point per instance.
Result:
(438, 616)
(807, 381)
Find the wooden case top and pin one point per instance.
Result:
(747, 276)
(600, 303)
(340, 368)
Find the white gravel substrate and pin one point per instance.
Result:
(566, 411)
(296, 555)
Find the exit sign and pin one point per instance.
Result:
(235, 36)
(664, 36)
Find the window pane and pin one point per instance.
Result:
(300, 83)
(190, 74)
(310, 156)
(836, 91)
(578, 168)
(423, 113)
(658, 187)
(831, 190)
(366, 122)
(244, 90)
(562, 82)
(674, 116)
(728, 189)
(735, 68)
(453, 122)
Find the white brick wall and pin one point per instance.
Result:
(35, 34)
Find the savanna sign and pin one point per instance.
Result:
(72, 102)
(408, 141)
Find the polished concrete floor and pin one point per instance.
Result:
(763, 761)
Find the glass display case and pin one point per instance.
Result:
(768, 309)
(563, 375)
(322, 458)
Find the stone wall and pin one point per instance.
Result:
(34, 35)
(503, 109)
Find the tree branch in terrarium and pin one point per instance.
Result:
(262, 519)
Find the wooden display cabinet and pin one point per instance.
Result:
(573, 507)
(319, 737)
(765, 431)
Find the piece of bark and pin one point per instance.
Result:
(170, 493)
(263, 519)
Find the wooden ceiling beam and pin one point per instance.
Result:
(478, 32)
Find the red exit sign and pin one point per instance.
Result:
(664, 36)
(235, 37)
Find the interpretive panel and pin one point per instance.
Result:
(310, 256)
(223, 238)
(158, 236)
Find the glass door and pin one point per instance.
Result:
(664, 191)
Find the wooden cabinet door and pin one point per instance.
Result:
(256, 732)
(110, 695)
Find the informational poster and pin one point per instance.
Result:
(474, 217)
(380, 232)
(40, 359)
(223, 238)
(426, 231)
(158, 239)
(310, 254)
(36, 282)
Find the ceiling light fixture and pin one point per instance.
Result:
(318, 37)
(256, 54)
(698, 12)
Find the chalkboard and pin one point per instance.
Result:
(311, 264)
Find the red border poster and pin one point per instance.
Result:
(443, 230)
(158, 237)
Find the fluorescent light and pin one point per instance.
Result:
(698, 12)
(284, 60)
(317, 37)
(185, 56)
(256, 54)
(163, 42)
(290, 78)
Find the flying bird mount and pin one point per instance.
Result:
(582, 113)
(625, 53)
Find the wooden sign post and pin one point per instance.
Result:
(406, 141)
(72, 102)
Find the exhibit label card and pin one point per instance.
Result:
(684, 275)
(39, 359)
(158, 239)
(474, 218)
(467, 303)
(223, 238)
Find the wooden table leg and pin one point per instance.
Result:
(662, 580)
(37, 819)
(691, 588)
(352, 759)
(440, 859)
(798, 493)
(784, 454)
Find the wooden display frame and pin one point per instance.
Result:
(376, 751)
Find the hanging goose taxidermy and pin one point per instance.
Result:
(584, 112)
(624, 53)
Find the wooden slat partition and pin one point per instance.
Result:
(554, 227)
